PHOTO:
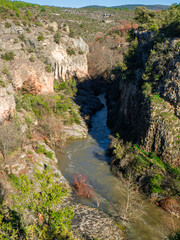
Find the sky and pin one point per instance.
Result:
(108, 3)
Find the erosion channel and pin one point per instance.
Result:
(89, 157)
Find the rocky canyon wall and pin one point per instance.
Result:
(36, 61)
(146, 106)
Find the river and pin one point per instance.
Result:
(88, 157)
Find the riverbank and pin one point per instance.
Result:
(36, 153)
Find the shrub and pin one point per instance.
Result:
(155, 183)
(28, 30)
(82, 25)
(70, 51)
(40, 38)
(36, 207)
(30, 50)
(43, 9)
(15, 40)
(8, 56)
(81, 52)
(81, 187)
(22, 37)
(178, 45)
(17, 12)
(7, 25)
(2, 83)
(35, 103)
(60, 86)
(57, 37)
(154, 28)
(147, 89)
(142, 14)
(5, 70)
(48, 68)
(72, 33)
(41, 149)
(32, 58)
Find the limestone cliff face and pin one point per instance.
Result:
(68, 66)
(7, 102)
(36, 63)
(153, 120)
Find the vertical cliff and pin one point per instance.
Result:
(31, 60)
(147, 104)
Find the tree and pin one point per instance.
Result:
(132, 208)
(142, 14)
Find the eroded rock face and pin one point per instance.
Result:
(170, 86)
(69, 64)
(7, 102)
(151, 121)
(64, 59)
(34, 73)
(28, 68)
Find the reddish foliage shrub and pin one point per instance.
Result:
(81, 187)
(32, 85)
(135, 26)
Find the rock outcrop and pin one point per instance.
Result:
(7, 102)
(35, 63)
(151, 119)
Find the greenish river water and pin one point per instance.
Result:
(88, 157)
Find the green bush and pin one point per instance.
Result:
(32, 58)
(28, 30)
(147, 89)
(57, 37)
(154, 28)
(70, 51)
(48, 68)
(8, 56)
(7, 25)
(22, 37)
(155, 183)
(17, 12)
(143, 15)
(2, 83)
(60, 86)
(43, 9)
(34, 212)
(178, 45)
(35, 103)
(41, 149)
(5, 70)
(80, 52)
(40, 38)
(30, 50)
(16, 41)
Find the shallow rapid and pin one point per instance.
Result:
(89, 157)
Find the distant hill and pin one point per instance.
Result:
(95, 6)
(132, 6)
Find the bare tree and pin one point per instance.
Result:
(132, 207)
(10, 138)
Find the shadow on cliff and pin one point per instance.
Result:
(128, 112)
(89, 102)
(87, 97)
